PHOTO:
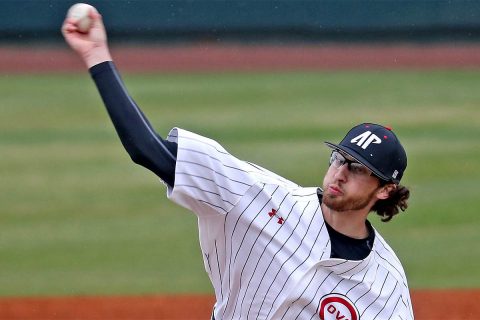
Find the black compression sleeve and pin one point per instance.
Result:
(142, 143)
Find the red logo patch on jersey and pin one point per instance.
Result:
(273, 213)
(337, 307)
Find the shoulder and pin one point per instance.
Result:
(186, 138)
(195, 147)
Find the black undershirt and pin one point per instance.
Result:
(142, 143)
(151, 151)
(345, 247)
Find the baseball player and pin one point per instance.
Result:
(273, 249)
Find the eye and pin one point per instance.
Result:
(336, 159)
(359, 169)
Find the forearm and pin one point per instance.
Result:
(142, 143)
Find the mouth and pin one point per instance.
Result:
(334, 190)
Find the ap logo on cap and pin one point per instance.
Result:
(365, 139)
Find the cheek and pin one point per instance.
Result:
(328, 176)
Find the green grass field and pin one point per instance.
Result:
(78, 217)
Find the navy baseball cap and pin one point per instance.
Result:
(377, 148)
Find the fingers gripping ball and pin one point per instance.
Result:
(80, 12)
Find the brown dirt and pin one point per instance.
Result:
(104, 308)
(201, 58)
(428, 304)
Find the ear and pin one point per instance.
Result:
(384, 191)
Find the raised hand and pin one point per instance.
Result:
(92, 45)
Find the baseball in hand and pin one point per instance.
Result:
(80, 12)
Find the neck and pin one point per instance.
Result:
(349, 223)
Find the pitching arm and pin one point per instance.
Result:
(142, 143)
(144, 146)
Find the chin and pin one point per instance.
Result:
(333, 203)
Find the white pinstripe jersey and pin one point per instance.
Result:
(266, 248)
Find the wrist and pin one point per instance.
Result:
(96, 56)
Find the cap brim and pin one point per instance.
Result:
(352, 153)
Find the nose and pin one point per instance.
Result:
(342, 172)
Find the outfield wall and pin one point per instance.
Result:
(214, 20)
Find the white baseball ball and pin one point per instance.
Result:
(80, 12)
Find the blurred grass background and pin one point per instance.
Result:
(78, 217)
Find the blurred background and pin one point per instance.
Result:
(253, 21)
(270, 80)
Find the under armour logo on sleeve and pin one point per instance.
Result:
(273, 213)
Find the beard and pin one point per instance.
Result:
(341, 204)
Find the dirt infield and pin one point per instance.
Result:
(213, 58)
(438, 304)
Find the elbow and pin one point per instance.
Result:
(136, 159)
(137, 156)
(136, 153)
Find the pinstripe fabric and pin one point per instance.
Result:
(266, 248)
